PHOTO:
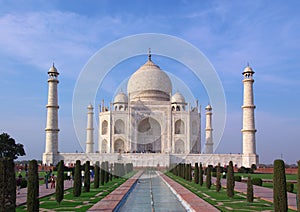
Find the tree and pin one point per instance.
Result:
(33, 187)
(87, 179)
(230, 180)
(77, 180)
(97, 172)
(200, 175)
(102, 173)
(196, 173)
(279, 182)
(208, 177)
(218, 181)
(298, 187)
(8, 147)
(249, 190)
(59, 189)
(7, 185)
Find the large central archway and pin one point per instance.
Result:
(149, 136)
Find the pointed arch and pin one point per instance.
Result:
(119, 146)
(179, 146)
(104, 126)
(119, 127)
(179, 127)
(104, 146)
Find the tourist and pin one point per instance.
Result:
(52, 181)
(46, 179)
(69, 175)
(18, 183)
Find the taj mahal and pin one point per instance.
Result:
(150, 126)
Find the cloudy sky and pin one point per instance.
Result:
(34, 34)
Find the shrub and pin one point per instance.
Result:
(7, 185)
(87, 179)
(33, 187)
(250, 196)
(77, 180)
(218, 181)
(289, 187)
(24, 183)
(279, 191)
(200, 175)
(102, 173)
(97, 172)
(230, 180)
(214, 174)
(59, 189)
(298, 185)
(238, 178)
(257, 181)
(208, 177)
(196, 173)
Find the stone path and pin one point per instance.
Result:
(261, 192)
(22, 197)
(112, 201)
(194, 202)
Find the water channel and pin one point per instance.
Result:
(151, 194)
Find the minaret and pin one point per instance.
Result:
(89, 148)
(51, 151)
(208, 131)
(248, 131)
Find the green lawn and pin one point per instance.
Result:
(266, 176)
(82, 203)
(220, 199)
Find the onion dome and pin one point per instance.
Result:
(149, 83)
(53, 70)
(178, 98)
(208, 107)
(121, 98)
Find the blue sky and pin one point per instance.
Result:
(33, 34)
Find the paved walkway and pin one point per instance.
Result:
(112, 201)
(261, 192)
(22, 197)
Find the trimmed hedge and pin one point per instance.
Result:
(289, 187)
(230, 180)
(257, 181)
(33, 187)
(279, 191)
(77, 180)
(238, 178)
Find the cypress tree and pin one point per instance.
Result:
(196, 173)
(218, 181)
(279, 182)
(200, 175)
(102, 173)
(33, 187)
(230, 180)
(7, 185)
(97, 177)
(77, 180)
(59, 189)
(87, 178)
(208, 177)
(249, 190)
(298, 187)
(111, 171)
(106, 174)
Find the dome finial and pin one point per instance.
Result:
(149, 54)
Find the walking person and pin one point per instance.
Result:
(53, 181)
(46, 179)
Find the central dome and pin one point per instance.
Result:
(149, 83)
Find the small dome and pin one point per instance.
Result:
(149, 83)
(208, 107)
(90, 106)
(53, 70)
(121, 98)
(178, 98)
(248, 70)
